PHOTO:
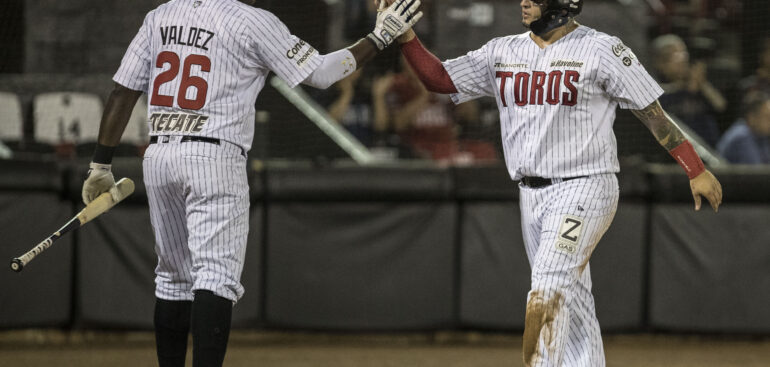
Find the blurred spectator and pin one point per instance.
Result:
(760, 81)
(422, 119)
(748, 140)
(669, 13)
(351, 106)
(350, 103)
(478, 136)
(689, 95)
(426, 121)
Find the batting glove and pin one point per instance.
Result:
(393, 21)
(99, 180)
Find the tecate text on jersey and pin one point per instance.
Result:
(182, 122)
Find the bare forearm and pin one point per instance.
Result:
(363, 51)
(670, 137)
(702, 182)
(117, 112)
(661, 125)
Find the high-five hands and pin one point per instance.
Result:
(394, 20)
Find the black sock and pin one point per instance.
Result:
(172, 324)
(211, 317)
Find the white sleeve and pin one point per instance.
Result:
(289, 57)
(134, 70)
(470, 75)
(334, 67)
(623, 77)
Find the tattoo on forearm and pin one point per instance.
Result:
(661, 126)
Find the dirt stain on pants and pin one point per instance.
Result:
(541, 313)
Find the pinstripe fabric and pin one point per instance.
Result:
(202, 64)
(557, 106)
(247, 44)
(543, 133)
(561, 321)
(199, 210)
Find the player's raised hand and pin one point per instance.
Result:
(393, 20)
(706, 185)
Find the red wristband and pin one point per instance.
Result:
(687, 158)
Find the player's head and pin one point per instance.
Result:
(543, 16)
(756, 112)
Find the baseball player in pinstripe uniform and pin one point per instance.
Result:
(202, 64)
(557, 87)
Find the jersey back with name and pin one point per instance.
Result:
(203, 63)
(557, 105)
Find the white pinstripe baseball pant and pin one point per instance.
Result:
(199, 210)
(562, 223)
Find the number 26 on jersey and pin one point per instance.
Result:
(188, 81)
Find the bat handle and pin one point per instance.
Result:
(17, 265)
(18, 262)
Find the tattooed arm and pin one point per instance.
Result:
(702, 182)
(661, 125)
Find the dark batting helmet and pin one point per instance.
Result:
(555, 13)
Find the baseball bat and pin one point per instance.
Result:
(94, 209)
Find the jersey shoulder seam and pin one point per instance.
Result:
(601, 42)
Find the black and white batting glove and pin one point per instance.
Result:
(393, 21)
(99, 180)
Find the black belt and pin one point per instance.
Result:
(536, 182)
(154, 139)
(186, 138)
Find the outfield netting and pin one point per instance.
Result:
(384, 110)
(726, 36)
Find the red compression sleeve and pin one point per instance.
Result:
(687, 158)
(428, 67)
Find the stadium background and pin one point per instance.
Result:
(405, 260)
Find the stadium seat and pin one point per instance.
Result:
(65, 119)
(134, 140)
(11, 121)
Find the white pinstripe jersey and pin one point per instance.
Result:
(203, 63)
(557, 105)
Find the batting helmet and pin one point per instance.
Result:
(555, 13)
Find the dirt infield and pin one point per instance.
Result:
(85, 349)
